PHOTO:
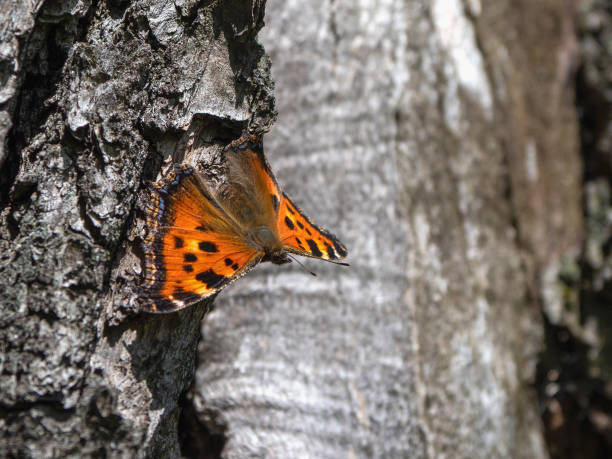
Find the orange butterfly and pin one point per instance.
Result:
(200, 239)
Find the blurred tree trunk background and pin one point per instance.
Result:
(438, 139)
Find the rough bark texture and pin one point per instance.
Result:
(438, 140)
(93, 96)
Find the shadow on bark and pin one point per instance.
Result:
(196, 439)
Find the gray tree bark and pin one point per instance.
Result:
(94, 95)
(437, 139)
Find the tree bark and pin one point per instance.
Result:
(439, 141)
(94, 96)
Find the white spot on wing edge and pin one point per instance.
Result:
(179, 303)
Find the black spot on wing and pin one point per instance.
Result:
(163, 305)
(206, 246)
(339, 247)
(178, 242)
(228, 261)
(235, 266)
(182, 295)
(190, 258)
(202, 228)
(314, 248)
(275, 202)
(188, 268)
(299, 223)
(330, 251)
(212, 279)
(289, 223)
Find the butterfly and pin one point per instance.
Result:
(202, 238)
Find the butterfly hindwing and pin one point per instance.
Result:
(203, 265)
(193, 249)
(302, 236)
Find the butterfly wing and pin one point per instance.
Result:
(250, 170)
(303, 237)
(256, 198)
(193, 248)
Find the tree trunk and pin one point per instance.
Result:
(439, 141)
(94, 95)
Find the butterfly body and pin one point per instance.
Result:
(201, 238)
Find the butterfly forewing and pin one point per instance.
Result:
(251, 176)
(250, 170)
(193, 249)
(299, 235)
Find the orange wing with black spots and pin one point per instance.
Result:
(199, 241)
(303, 237)
(193, 248)
(250, 171)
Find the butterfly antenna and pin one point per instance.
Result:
(304, 267)
(341, 263)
